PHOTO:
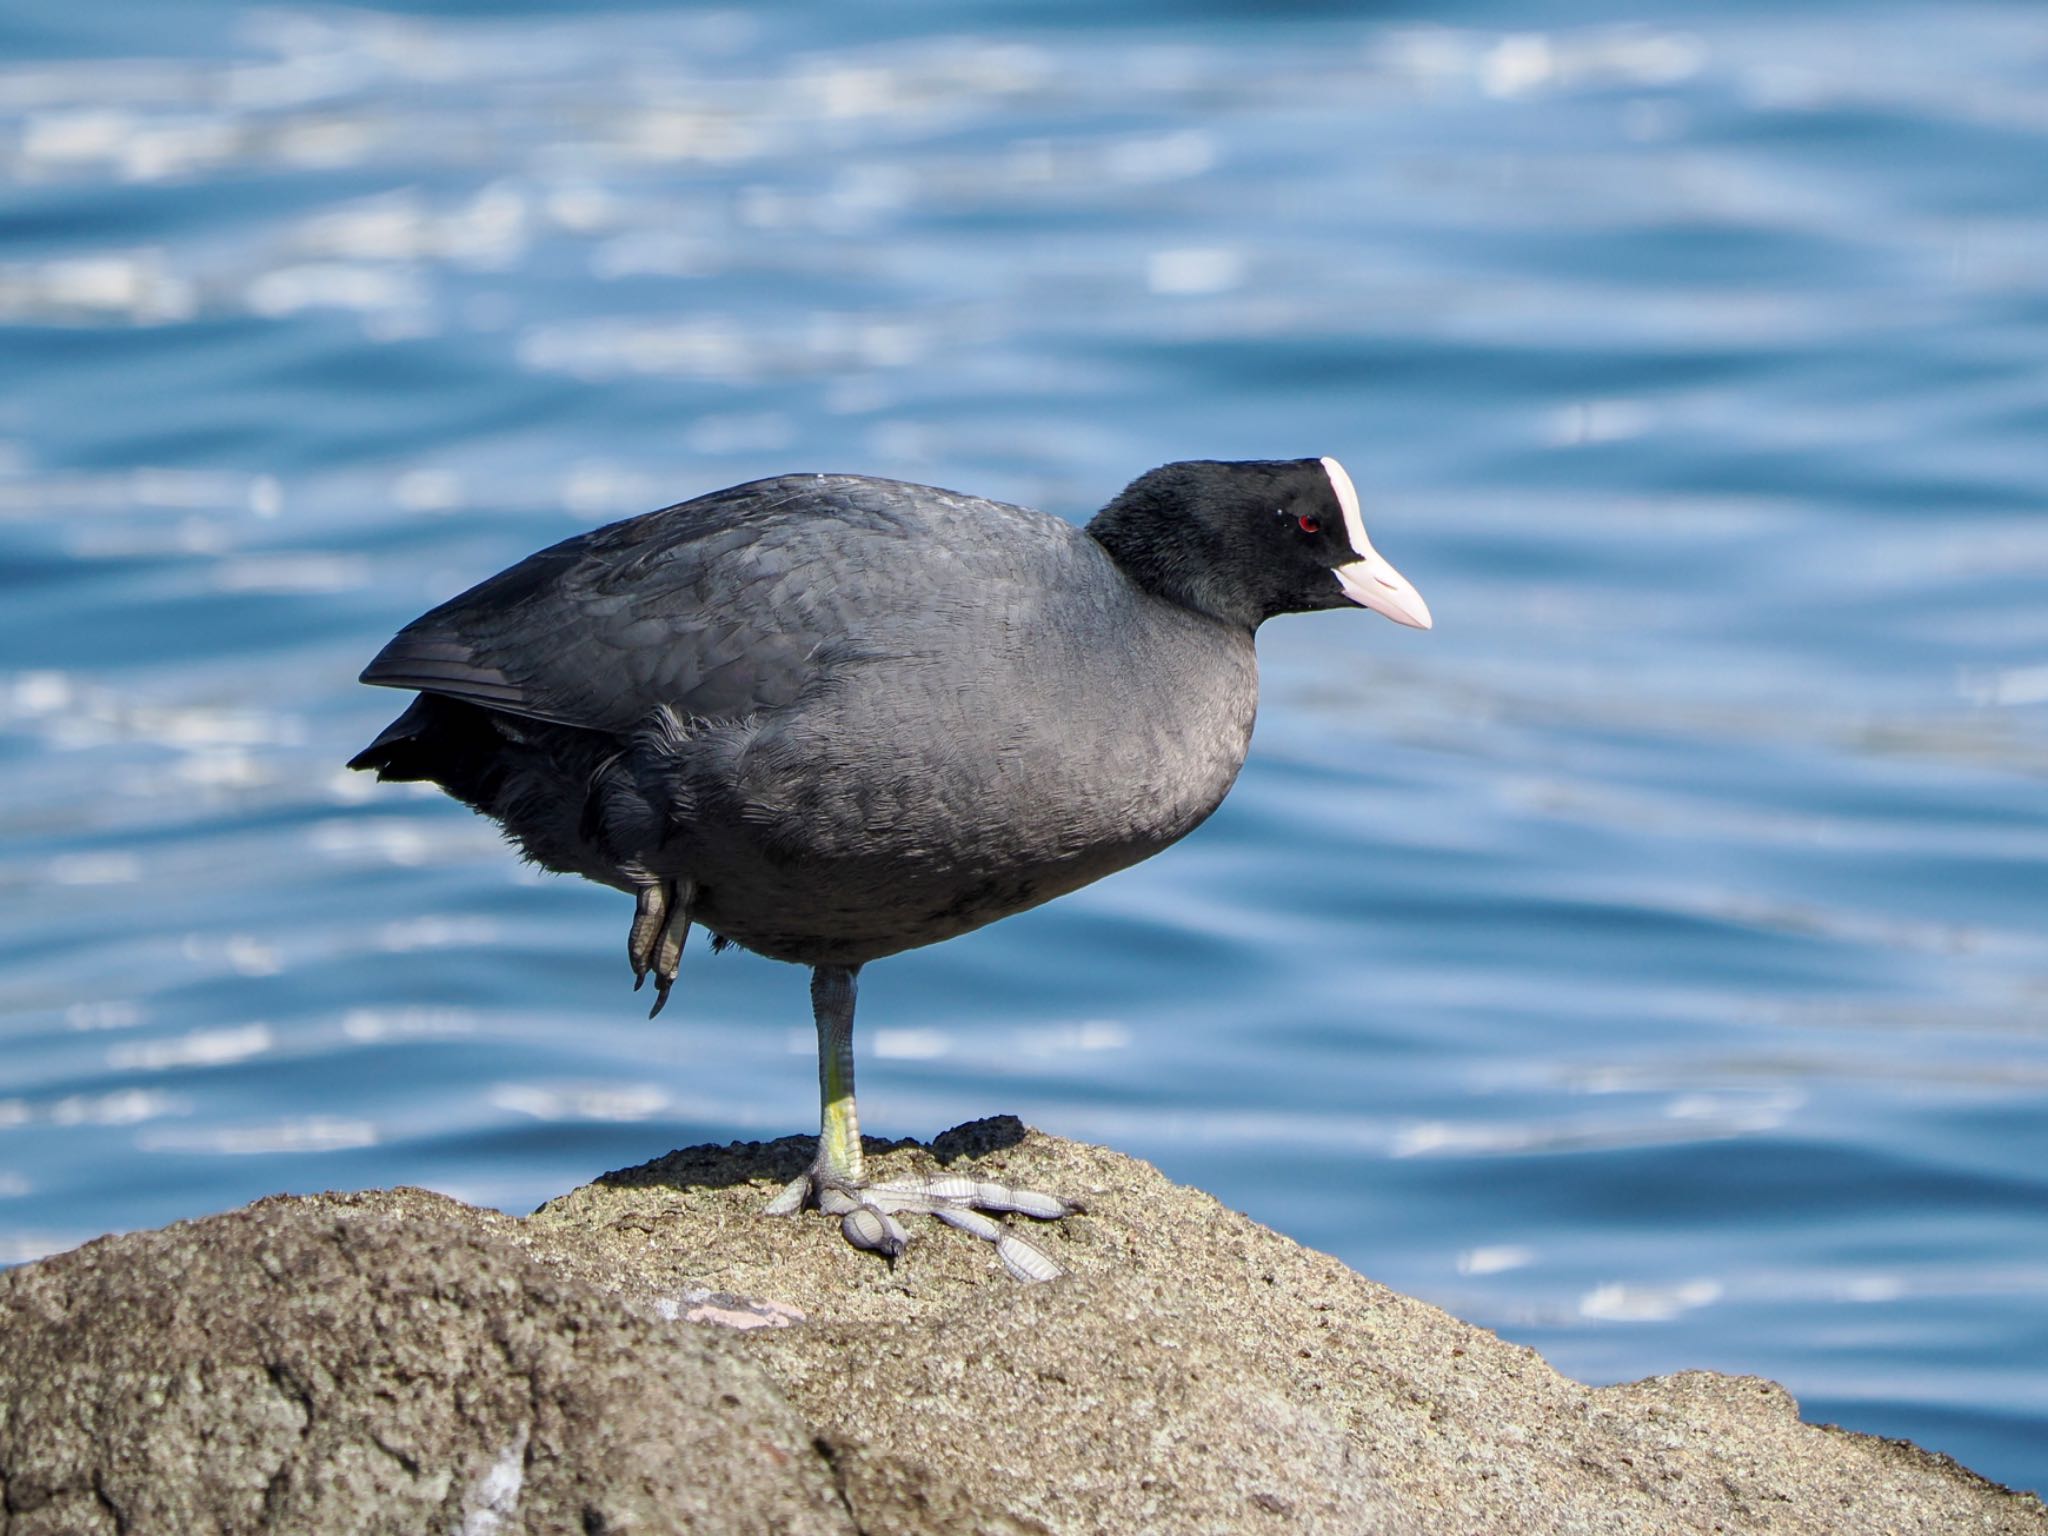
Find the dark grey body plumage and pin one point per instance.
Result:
(830, 718)
(859, 716)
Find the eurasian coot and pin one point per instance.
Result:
(831, 717)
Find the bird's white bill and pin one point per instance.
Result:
(1369, 580)
(1374, 584)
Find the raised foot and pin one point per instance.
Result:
(867, 1213)
(661, 924)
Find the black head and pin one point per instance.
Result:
(1244, 541)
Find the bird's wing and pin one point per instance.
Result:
(718, 608)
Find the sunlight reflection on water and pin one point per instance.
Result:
(1649, 962)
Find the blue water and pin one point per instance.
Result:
(1650, 963)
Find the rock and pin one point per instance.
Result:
(385, 1362)
(650, 1354)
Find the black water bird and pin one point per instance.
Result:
(831, 717)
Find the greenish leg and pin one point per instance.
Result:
(832, 995)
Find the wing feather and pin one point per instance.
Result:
(717, 608)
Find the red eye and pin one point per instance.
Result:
(1310, 525)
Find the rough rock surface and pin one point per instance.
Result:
(650, 1354)
(374, 1363)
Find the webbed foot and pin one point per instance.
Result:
(867, 1213)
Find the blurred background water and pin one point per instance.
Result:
(1649, 963)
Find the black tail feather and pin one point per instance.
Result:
(443, 741)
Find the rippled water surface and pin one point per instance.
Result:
(1651, 963)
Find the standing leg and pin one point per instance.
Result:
(833, 988)
(835, 1176)
(837, 1184)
